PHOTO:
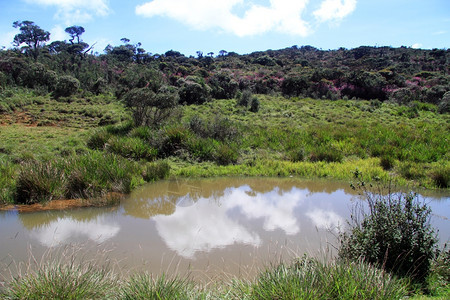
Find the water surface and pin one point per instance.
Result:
(207, 228)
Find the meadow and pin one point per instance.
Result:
(63, 141)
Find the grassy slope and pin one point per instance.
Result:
(286, 137)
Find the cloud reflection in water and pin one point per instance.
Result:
(66, 230)
(207, 224)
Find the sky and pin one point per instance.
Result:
(241, 26)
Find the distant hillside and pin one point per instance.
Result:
(401, 75)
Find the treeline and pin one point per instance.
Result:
(64, 68)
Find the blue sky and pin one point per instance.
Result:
(242, 26)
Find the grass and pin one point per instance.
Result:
(309, 278)
(303, 278)
(285, 137)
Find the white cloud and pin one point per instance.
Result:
(282, 15)
(440, 32)
(416, 46)
(76, 11)
(7, 38)
(334, 10)
(57, 33)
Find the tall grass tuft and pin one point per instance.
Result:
(144, 286)
(309, 278)
(7, 181)
(441, 176)
(156, 170)
(60, 275)
(38, 182)
(95, 173)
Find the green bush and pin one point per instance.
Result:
(7, 181)
(245, 98)
(66, 86)
(393, 232)
(254, 105)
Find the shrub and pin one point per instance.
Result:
(444, 104)
(66, 86)
(297, 155)
(171, 140)
(150, 108)
(223, 86)
(7, 181)
(192, 92)
(245, 98)
(395, 233)
(202, 148)
(222, 129)
(198, 126)
(254, 105)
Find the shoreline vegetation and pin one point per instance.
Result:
(79, 125)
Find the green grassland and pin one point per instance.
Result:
(284, 137)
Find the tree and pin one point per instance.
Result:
(31, 35)
(75, 32)
(150, 108)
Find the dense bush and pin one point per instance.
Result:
(223, 86)
(192, 92)
(66, 86)
(392, 231)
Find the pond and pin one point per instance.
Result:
(207, 228)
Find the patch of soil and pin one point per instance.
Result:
(108, 200)
(18, 117)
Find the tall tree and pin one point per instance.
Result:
(31, 35)
(75, 32)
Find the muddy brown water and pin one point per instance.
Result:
(209, 229)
